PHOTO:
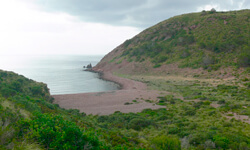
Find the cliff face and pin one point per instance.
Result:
(196, 42)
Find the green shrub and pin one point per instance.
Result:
(190, 112)
(166, 143)
(206, 102)
(36, 90)
(127, 42)
(197, 105)
(221, 101)
(161, 59)
(17, 86)
(139, 123)
(157, 66)
(173, 130)
(247, 84)
(27, 103)
(127, 103)
(221, 142)
(7, 92)
(244, 58)
(56, 133)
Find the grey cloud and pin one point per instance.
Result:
(138, 13)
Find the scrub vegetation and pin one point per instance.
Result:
(190, 120)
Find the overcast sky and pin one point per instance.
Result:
(88, 26)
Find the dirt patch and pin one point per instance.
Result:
(215, 105)
(243, 118)
(108, 102)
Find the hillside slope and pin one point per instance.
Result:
(29, 121)
(206, 41)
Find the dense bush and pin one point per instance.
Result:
(53, 132)
(36, 90)
(7, 92)
(164, 142)
(139, 123)
(244, 58)
(57, 133)
(160, 59)
(157, 66)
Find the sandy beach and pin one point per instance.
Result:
(130, 98)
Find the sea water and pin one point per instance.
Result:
(62, 73)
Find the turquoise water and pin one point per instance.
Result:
(62, 74)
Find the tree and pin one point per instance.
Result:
(213, 10)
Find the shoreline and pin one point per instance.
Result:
(105, 103)
(124, 83)
(101, 76)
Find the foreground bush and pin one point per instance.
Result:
(56, 133)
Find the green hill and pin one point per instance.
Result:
(208, 40)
